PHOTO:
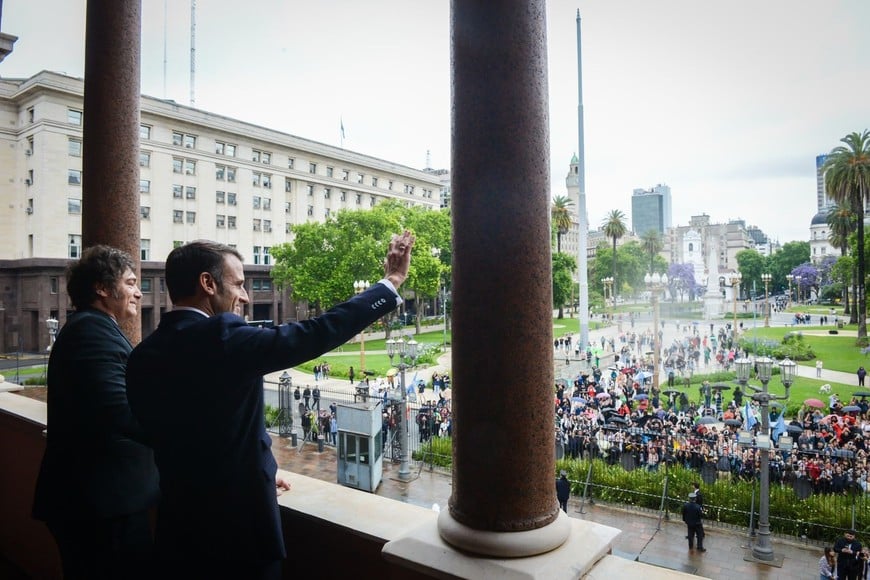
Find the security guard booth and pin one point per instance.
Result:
(360, 444)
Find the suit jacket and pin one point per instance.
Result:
(692, 513)
(95, 464)
(196, 387)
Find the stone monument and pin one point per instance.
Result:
(713, 302)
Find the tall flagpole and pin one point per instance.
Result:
(581, 205)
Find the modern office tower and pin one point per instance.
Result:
(651, 209)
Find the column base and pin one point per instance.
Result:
(504, 544)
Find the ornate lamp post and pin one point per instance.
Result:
(766, 279)
(762, 550)
(734, 280)
(789, 278)
(656, 284)
(359, 287)
(608, 291)
(285, 405)
(407, 351)
(52, 325)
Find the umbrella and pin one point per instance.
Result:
(775, 405)
(641, 397)
(851, 409)
(649, 353)
(794, 429)
(617, 419)
(706, 420)
(602, 396)
(642, 375)
(612, 368)
(671, 392)
(720, 387)
(733, 422)
(861, 393)
(392, 372)
(814, 403)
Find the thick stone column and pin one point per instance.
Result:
(110, 156)
(503, 501)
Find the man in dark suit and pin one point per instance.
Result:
(692, 513)
(97, 479)
(196, 387)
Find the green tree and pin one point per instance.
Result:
(751, 265)
(614, 228)
(841, 221)
(847, 180)
(652, 244)
(561, 216)
(431, 259)
(792, 255)
(563, 268)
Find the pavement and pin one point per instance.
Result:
(644, 537)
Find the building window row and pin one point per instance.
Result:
(144, 158)
(181, 165)
(259, 179)
(226, 221)
(222, 148)
(74, 117)
(261, 255)
(178, 216)
(75, 147)
(185, 140)
(181, 192)
(262, 225)
(225, 173)
(74, 177)
(264, 284)
(263, 157)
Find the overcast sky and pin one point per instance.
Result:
(728, 103)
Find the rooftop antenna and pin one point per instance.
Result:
(428, 159)
(192, 53)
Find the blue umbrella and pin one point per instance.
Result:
(641, 397)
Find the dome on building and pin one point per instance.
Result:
(820, 218)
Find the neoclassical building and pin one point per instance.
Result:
(201, 175)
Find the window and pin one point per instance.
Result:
(261, 256)
(220, 196)
(390, 185)
(326, 193)
(291, 163)
(267, 203)
(144, 186)
(144, 159)
(163, 285)
(360, 177)
(255, 156)
(312, 168)
(222, 148)
(374, 181)
(74, 177)
(191, 217)
(287, 207)
(231, 222)
(256, 178)
(75, 246)
(73, 205)
(257, 200)
(177, 191)
(74, 117)
(267, 180)
(220, 172)
(358, 198)
(345, 174)
(177, 164)
(190, 192)
(310, 210)
(144, 132)
(266, 259)
(145, 285)
(183, 139)
(231, 174)
(221, 221)
(257, 225)
(189, 167)
(343, 196)
(230, 150)
(256, 254)
(267, 226)
(219, 147)
(231, 198)
(326, 213)
(53, 285)
(144, 212)
(372, 202)
(288, 185)
(145, 255)
(177, 216)
(288, 227)
(329, 171)
(267, 158)
(31, 115)
(310, 189)
(75, 148)
(256, 283)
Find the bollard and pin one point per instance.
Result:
(294, 439)
(320, 443)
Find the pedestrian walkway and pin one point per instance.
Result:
(641, 539)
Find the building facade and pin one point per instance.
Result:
(651, 209)
(202, 176)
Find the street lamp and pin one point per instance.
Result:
(285, 404)
(359, 287)
(734, 280)
(789, 278)
(52, 324)
(766, 279)
(608, 290)
(656, 284)
(762, 549)
(407, 351)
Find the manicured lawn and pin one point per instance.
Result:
(837, 352)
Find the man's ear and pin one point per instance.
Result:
(208, 283)
(101, 291)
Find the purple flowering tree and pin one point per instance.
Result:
(807, 279)
(681, 281)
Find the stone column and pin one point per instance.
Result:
(110, 159)
(503, 501)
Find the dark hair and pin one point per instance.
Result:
(185, 263)
(99, 267)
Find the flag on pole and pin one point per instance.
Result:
(749, 419)
(779, 427)
(340, 120)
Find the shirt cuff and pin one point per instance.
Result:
(392, 288)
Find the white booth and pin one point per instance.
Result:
(360, 444)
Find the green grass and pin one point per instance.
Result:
(838, 353)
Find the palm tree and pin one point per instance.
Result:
(847, 179)
(652, 244)
(841, 221)
(614, 228)
(561, 215)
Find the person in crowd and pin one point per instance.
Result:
(219, 513)
(97, 480)
(862, 374)
(848, 551)
(563, 490)
(694, 525)
(828, 565)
